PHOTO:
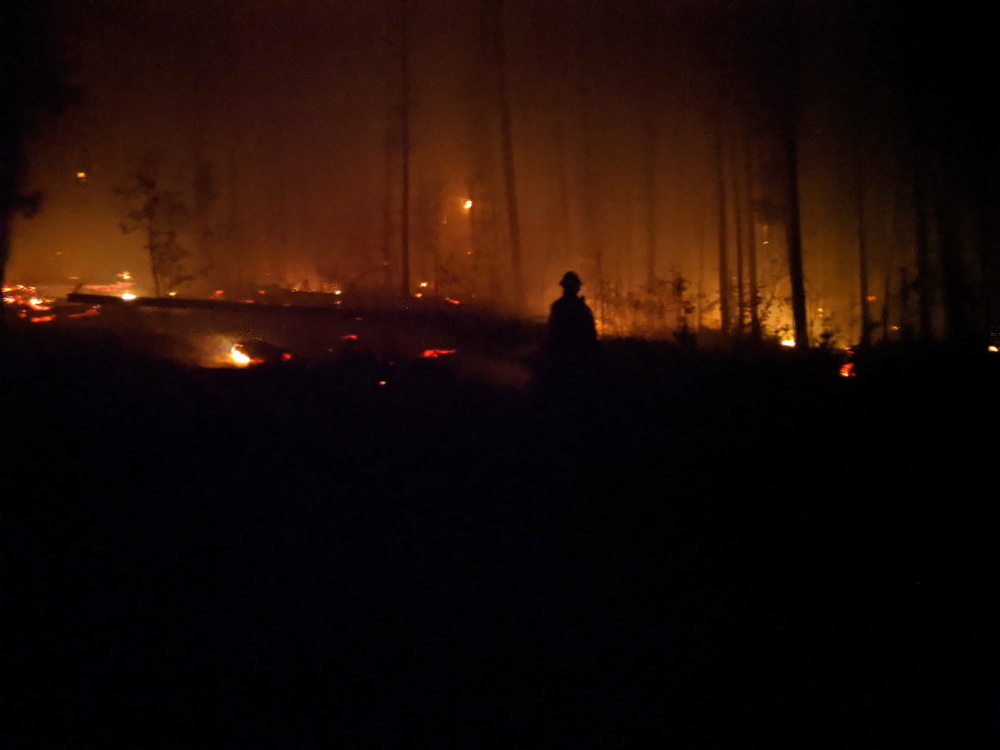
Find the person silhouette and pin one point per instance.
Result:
(572, 333)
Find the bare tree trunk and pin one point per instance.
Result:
(404, 70)
(510, 181)
(794, 238)
(954, 289)
(724, 310)
(886, 292)
(738, 224)
(866, 318)
(752, 291)
(923, 242)
(5, 217)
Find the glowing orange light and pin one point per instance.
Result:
(788, 342)
(128, 296)
(872, 298)
(239, 358)
(429, 353)
(43, 319)
(452, 301)
(350, 337)
(423, 284)
(286, 356)
(81, 175)
(95, 310)
(418, 295)
(381, 382)
(467, 204)
(218, 293)
(847, 370)
(993, 348)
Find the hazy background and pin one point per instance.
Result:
(279, 126)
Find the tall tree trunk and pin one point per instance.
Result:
(739, 229)
(921, 207)
(866, 318)
(886, 294)
(724, 311)
(794, 241)
(954, 289)
(404, 230)
(753, 292)
(510, 181)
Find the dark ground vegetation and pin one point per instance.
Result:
(684, 550)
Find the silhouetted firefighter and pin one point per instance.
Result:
(572, 333)
(568, 367)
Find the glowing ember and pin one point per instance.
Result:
(467, 204)
(43, 319)
(91, 311)
(847, 370)
(350, 337)
(452, 301)
(429, 353)
(788, 342)
(993, 349)
(128, 296)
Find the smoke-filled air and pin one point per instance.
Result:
(702, 165)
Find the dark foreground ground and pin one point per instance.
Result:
(683, 551)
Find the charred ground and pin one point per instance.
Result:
(684, 549)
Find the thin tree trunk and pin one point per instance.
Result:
(923, 242)
(866, 318)
(724, 310)
(886, 293)
(404, 54)
(752, 291)
(510, 181)
(955, 293)
(738, 225)
(794, 239)
(5, 216)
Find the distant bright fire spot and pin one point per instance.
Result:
(467, 204)
(452, 301)
(994, 349)
(238, 357)
(847, 370)
(430, 353)
(788, 342)
(128, 296)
